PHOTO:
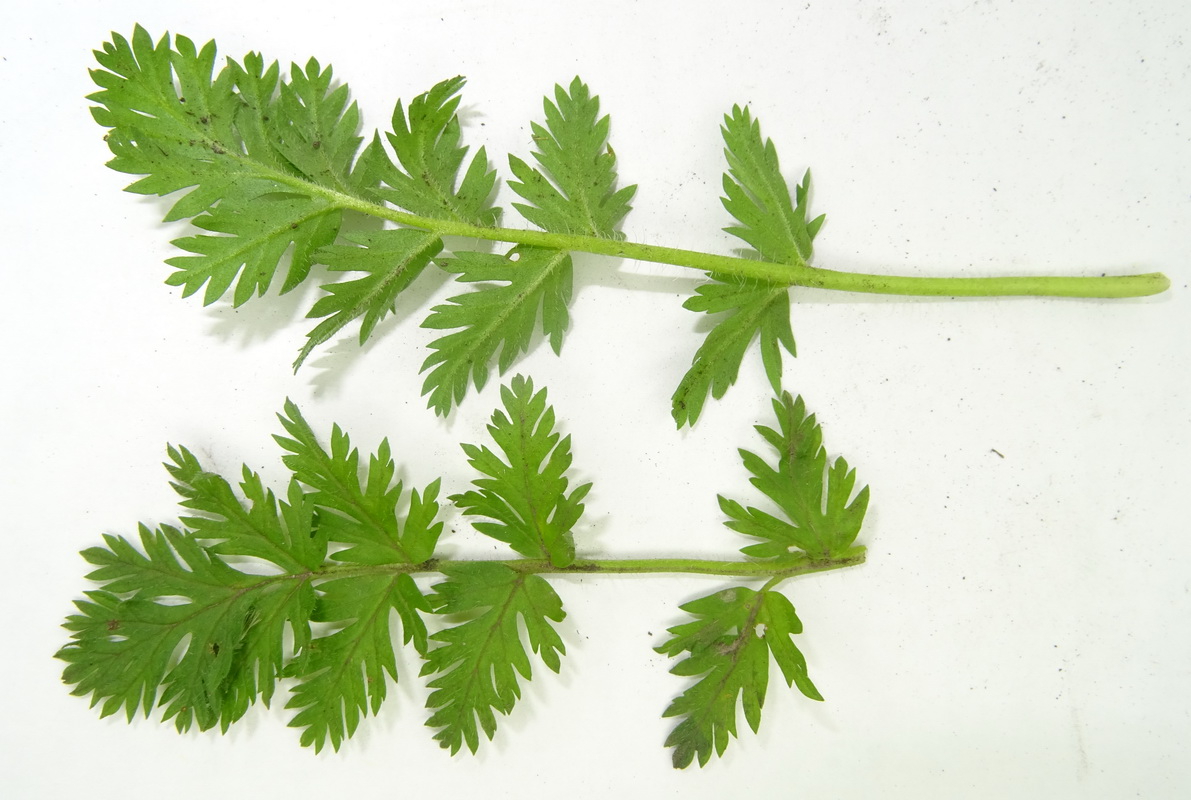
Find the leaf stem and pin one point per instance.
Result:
(798, 564)
(1104, 286)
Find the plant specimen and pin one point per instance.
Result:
(268, 168)
(204, 619)
(330, 560)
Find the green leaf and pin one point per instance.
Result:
(575, 189)
(254, 159)
(525, 494)
(497, 319)
(822, 516)
(258, 664)
(255, 233)
(362, 508)
(390, 259)
(235, 622)
(749, 309)
(316, 129)
(772, 222)
(727, 648)
(775, 225)
(427, 144)
(288, 537)
(231, 627)
(345, 675)
(178, 137)
(204, 621)
(476, 664)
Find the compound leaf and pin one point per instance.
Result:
(233, 623)
(176, 592)
(203, 621)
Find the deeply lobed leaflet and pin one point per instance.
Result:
(255, 589)
(266, 167)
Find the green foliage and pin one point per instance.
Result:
(824, 517)
(196, 619)
(288, 536)
(755, 194)
(574, 192)
(749, 308)
(575, 189)
(123, 648)
(311, 585)
(390, 259)
(266, 167)
(498, 319)
(232, 622)
(427, 142)
(364, 507)
(255, 157)
(474, 668)
(757, 197)
(341, 677)
(525, 495)
(203, 620)
(728, 645)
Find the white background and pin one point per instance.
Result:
(1021, 627)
